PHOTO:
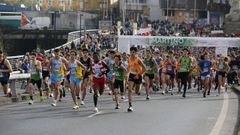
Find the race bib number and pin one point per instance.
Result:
(133, 70)
(45, 68)
(205, 70)
(34, 71)
(57, 67)
(235, 67)
(97, 71)
(183, 68)
(220, 66)
(169, 68)
(117, 74)
(1, 74)
(73, 71)
(148, 68)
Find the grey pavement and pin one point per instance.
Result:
(162, 115)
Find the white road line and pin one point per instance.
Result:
(221, 118)
(92, 115)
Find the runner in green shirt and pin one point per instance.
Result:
(185, 63)
(151, 67)
(35, 78)
(119, 72)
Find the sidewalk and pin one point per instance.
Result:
(237, 88)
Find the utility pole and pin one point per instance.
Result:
(195, 8)
(167, 10)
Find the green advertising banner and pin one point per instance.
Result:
(166, 41)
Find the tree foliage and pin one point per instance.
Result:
(76, 5)
(56, 5)
(45, 5)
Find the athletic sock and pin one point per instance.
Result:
(95, 99)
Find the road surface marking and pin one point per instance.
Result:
(92, 115)
(221, 118)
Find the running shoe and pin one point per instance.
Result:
(51, 95)
(208, 93)
(130, 109)
(117, 107)
(82, 103)
(95, 109)
(148, 97)
(30, 102)
(204, 94)
(75, 107)
(53, 104)
(122, 97)
(163, 92)
(78, 97)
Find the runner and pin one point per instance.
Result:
(234, 65)
(151, 67)
(125, 64)
(185, 63)
(205, 66)
(110, 61)
(46, 74)
(163, 73)
(119, 72)
(36, 77)
(171, 66)
(75, 67)
(56, 65)
(222, 70)
(86, 61)
(135, 69)
(99, 69)
(5, 70)
(157, 77)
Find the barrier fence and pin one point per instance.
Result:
(17, 76)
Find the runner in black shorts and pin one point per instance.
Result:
(86, 61)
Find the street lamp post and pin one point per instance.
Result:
(195, 8)
(80, 24)
(167, 10)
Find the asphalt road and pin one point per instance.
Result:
(161, 115)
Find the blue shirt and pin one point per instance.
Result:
(205, 66)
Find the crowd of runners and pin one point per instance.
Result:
(165, 70)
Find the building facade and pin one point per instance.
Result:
(184, 10)
(134, 9)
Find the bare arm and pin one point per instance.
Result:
(81, 65)
(142, 64)
(123, 68)
(8, 65)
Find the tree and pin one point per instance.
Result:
(56, 5)
(12, 2)
(66, 5)
(76, 5)
(29, 3)
(45, 5)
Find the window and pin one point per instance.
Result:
(169, 12)
(142, 1)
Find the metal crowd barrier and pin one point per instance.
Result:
(16, 75)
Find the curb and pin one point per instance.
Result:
(238, 124)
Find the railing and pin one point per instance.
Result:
(16, 75)
(76, 34)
